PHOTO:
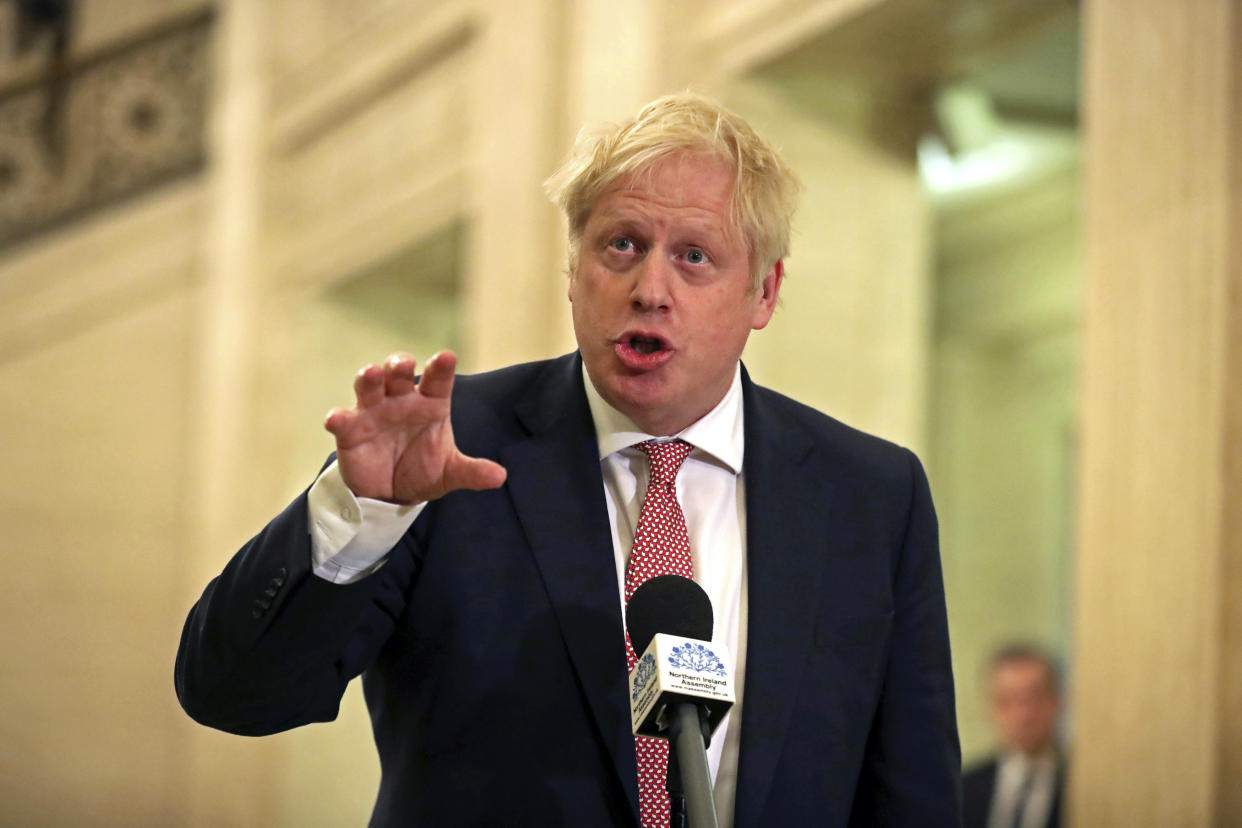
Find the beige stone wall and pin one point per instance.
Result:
(374, 184)
(1004, 423)
(98, 331)
(1158, 581)
(851, 336)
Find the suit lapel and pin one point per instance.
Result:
(782, 588)
(557, 491)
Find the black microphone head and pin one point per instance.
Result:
(668, 604)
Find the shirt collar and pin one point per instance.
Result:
(1022, 764)
(718, 433)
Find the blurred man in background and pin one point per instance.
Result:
(1022, 785)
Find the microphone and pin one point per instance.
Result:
(668, 604)
(680, 688)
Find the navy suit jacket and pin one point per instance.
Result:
(490, 642)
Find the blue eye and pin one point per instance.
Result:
(696, 256)
(623, 244)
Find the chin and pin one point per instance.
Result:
(644, 391)
(639, 407)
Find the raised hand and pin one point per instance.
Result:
(396, 443)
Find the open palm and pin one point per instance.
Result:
(396, 443)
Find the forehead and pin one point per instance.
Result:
(692, 188)
(1021, 673)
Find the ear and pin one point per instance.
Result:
(769, 291)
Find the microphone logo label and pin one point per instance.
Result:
(644, 672)
(675, 669)
(696, 657)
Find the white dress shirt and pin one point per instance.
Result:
(1014, 772)
(350, 536)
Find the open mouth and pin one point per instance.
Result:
(643, 351)
(646, 344)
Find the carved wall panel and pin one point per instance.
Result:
(106, 127)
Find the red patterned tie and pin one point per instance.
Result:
(661, 547)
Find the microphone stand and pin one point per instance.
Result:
(676, 793)
(688, 737)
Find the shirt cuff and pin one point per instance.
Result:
(351, 536)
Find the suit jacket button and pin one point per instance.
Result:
(270, 592)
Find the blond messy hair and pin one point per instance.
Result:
(765, 189)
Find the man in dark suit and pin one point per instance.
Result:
(1023, 784)
(467, 548)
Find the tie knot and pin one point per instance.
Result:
(666, 458)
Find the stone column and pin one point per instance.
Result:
(1158, 692)
(221, 396)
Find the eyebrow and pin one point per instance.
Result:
(625, 219)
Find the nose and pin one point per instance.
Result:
(652, 284)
